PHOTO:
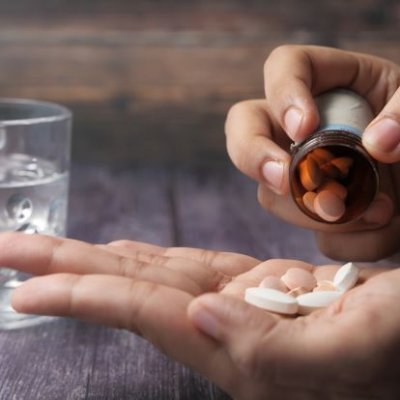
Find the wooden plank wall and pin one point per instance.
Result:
(151, 81)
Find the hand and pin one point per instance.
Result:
(348, 350)
(259, 133)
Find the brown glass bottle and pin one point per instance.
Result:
(343, 117)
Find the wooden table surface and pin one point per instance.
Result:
(211, 208)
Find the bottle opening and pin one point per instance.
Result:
(332, 177)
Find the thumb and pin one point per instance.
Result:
(240, 328)
(382, 136)
(278, 357)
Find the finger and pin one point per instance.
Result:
(294, 74)
(227, 263)
(290, 354)
(361, 246)
(288, 81)
(382, 136)
(157, 313)
(260, 343)
(138, 246)
(253, 149)
(40, 255)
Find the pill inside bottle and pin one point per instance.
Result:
(333, 179)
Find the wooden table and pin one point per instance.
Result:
(203, 207)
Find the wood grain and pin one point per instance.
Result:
(151, 81)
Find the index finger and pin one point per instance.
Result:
(257, 146)
(295, 74)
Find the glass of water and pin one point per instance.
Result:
(35, 139)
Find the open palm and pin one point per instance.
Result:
(189, 303)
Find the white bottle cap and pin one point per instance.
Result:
(343, 109)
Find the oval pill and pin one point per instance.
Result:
(271, 300)
(343, 164)
(273, 282)
(309, 302)
(322, 155)
(329, 206)
(346, 277)
(298, 277)
(310, 174)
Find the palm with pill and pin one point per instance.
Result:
(189, 303)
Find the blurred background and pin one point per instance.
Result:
(151, 81)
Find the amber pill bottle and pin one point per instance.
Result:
(344, 115)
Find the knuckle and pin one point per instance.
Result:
(150, 258)
(51, 263)
(235, 112)
(280, 52)
(140, 294)
(135, 264)
(129, 267)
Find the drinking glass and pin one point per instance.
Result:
(35, 141)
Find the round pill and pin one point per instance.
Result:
(325, 272)
(346, 277)
(298, 277)
(273, 282)
(329, 206)
(309, 302)
(271, 300)
(308, 201)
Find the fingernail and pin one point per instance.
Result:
(204, 320)
(292, 120)
(380, 211)
(273, 174)
(384, 135)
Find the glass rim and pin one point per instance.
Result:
(60, 112)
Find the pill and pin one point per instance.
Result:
(346, 277)
(298, 277)
(321, 155)
(271, 300)
(309, 302)
(334, 187)
(325, 272)
(308, 201)
(329, 206)
(331, 170)
(343, 164)
(310, 174)
(273, 282)
(297, 291)
(324, 286)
